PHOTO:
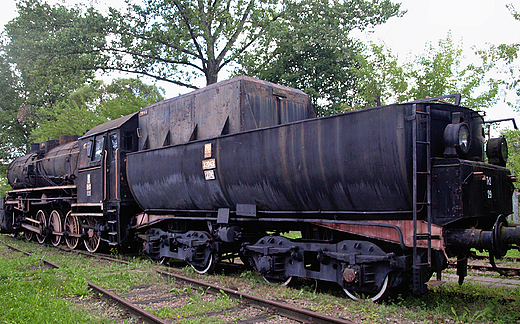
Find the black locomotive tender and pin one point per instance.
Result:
(382, 196)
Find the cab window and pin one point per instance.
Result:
(113, 143)
(98, 148)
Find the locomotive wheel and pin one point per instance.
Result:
(372, 297)
(55, 225)
(41, 216)
(28, 235)
(93, 239)
(209, 266)
(283, 282)
(72, 227)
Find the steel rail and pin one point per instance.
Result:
(47, 262)
(506, 270)
(485, 257)
(94, 255)
(285, 310)
(140, 313)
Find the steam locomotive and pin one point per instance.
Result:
(380, 198)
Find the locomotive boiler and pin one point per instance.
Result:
(380, 197)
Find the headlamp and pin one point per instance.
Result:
(456, 139)
(496, 151)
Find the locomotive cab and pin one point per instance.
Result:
(103, 191)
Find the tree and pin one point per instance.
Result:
(15, 126)
(310, 48)
(41, 44)
(439, 72)
(33, 59)
(180, 40)
(436, 72)
(93, 104)
(382, 80)
(513, 144)
(503, 59)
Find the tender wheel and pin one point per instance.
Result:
(372, 297)
(73, 228)
(163, 260)
(41, 216)
(283, 282)
(209, 266)
(55, 225)
(93, 239)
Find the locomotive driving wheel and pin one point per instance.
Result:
(41, 216)
(93, 240)
(56, 227)
(28, 235)
(72, 228)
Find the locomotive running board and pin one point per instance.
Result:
(40, 189)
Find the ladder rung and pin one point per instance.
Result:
(424, 172)
(422, 142)
(424, 203)
(424, 264)
(422, 112)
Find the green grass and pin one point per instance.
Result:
(196, 305)
(292, 235)
(30, 293)
(510, 253)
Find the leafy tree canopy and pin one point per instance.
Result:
(436, 72)
(180, 40)
(503, 59)
(15, 128)
(43, 42)
(513, 144)
(309, 48)
(93, 104)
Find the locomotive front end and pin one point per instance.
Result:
(471, 198)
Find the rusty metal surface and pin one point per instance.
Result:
(390, 234)
(57, 167)
(46, 262)
(143, 315)
(113, 124)
(239, 104)
(329, 163)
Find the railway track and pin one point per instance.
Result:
(172, 300)
(480, 263)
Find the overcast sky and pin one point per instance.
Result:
(476, 23)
